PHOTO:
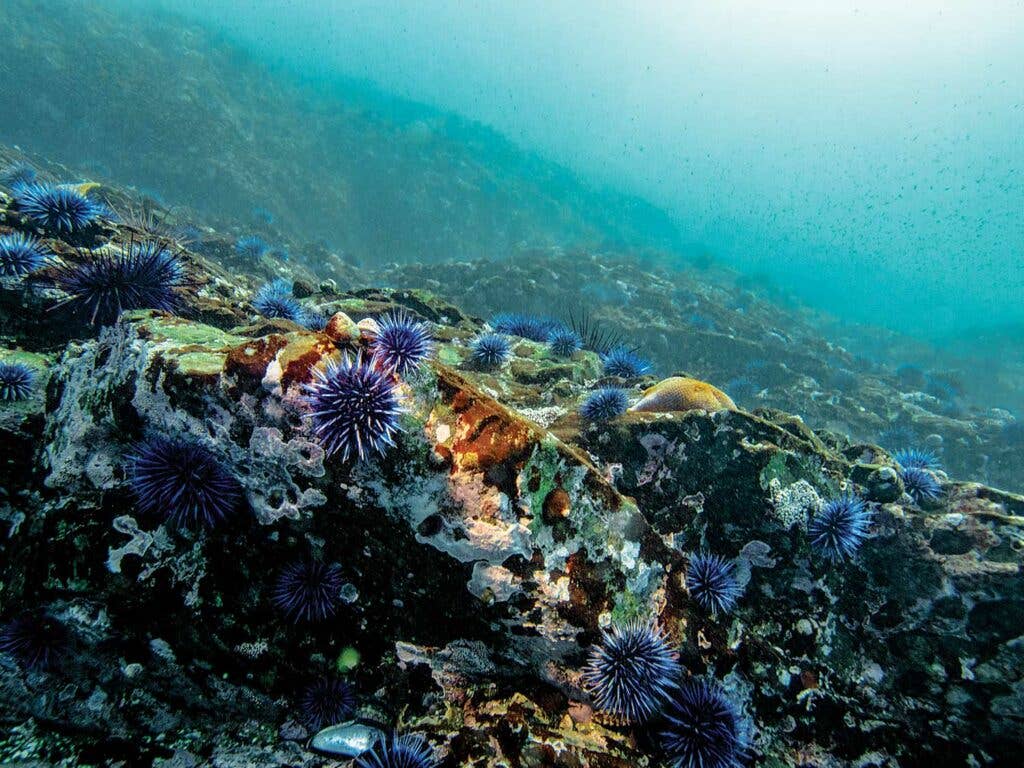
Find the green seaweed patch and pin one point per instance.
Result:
(789, 468)
(449, 355)
(200, 363)
(540, 472)
(175, 330)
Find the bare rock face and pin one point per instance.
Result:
(482, 556)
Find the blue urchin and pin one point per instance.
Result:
(275, 299)
(251, 247)
(182, 482)
(489, 350)
(313, 319)
(308, 590)
(632, 671)
(354, 408)
(21, 254)
(17, 175)
(703, 728)
(564, 341)
(920, 484)
(604, 404)
(916, 458)
(16, 381)
(327, 701)
(711, 581)
(533, 327)
(408, 751)
(59, 209)
(402, 343)
(625, 364)
(143, 275)
(35, 640)
(896, 436)
(838, 530)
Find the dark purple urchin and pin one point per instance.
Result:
(402, 343)
(533, 327)
(916, 458)
(625, 364)
(21, 254)
(490, 350)
(408, 751)
(35, 640)
(308, 590)
(275, 299)
(251, 247)
(16, 381)
(327, 701)
(141, 276)
(711, 581)
(17, 175)
(354, 408)
(920, 484)
(604, 404)
(564, 341)
(632, 671)
(182, 482)
(59, 209)
(703, 728)
(838, 530)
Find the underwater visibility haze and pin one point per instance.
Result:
(483, 383)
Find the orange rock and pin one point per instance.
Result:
(679, 393)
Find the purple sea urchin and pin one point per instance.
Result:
(182, 482)
(21, 254)
(531, 327)
(838, 530)
(17, 175)
(407, 751)
(632, 671)
(916, 458)
(327, 701)
(354, 408)
(58, 209)
(490, 350)
(275, 299)
(402, 343)
(920, 484)
(16, 381)
(703, 728)
(604, 404)
(711, 581)
(143, 275)
(625, 364)
(251, 247)
(308, 590)
(35, 640)
(564, 341)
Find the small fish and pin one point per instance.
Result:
(680, 393)
(348, 739)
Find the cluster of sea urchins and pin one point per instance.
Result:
(635, 678)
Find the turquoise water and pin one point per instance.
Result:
(870, 159)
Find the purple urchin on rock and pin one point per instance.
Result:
(182, 482)
(920, 484)
(308, 590)
(489, 350)
(632, 671)
(143, 275)
(604, 404)
(564, 341)
(354, 408)
(275, 300)
(16, 381)
(327, 701)
(838, 530)
(625, 364)
(703, 728)
(711, 581)
(402, 343)
(35, 640)
(21, 254)
(408, 751)
(58, 209)
(916, 458)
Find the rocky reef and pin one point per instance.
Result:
(471, 568)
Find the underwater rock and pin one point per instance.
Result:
(681, 393)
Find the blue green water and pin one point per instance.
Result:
(869, 158)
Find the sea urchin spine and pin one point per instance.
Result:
(408, 751)
(703, 728)
(16, 381)
(402, 343)
(308, 590)
(838, 530)
(711, 581)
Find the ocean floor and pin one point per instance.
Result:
(199, 568)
